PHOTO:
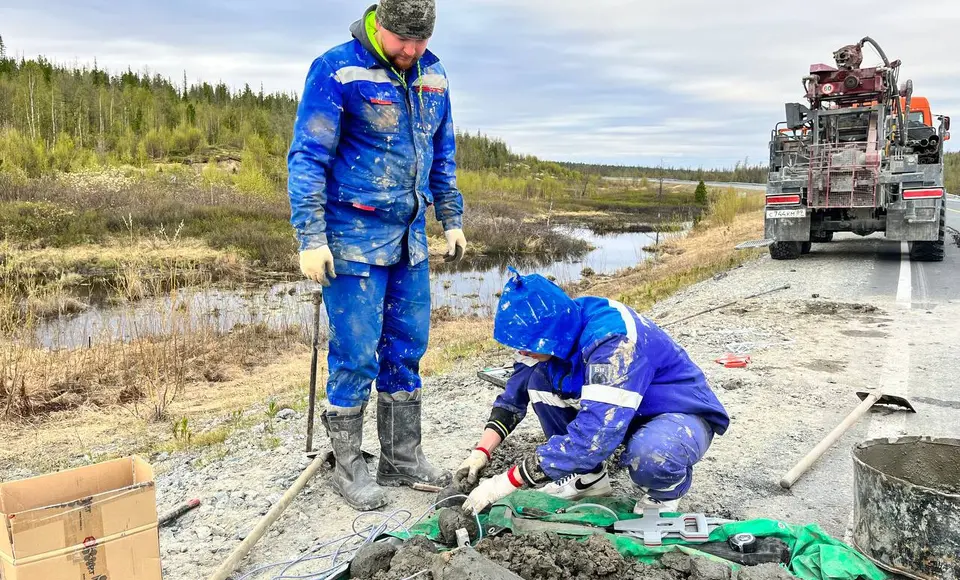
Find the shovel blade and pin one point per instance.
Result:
(890, 400)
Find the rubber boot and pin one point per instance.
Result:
(350, 478)
(402, 461)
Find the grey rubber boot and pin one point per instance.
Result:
(402, 461)
(350, 478)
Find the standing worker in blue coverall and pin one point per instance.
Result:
(599, 376)
(373, 148)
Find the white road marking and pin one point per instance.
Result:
(894, 376)
(922, 287)
(905, 284)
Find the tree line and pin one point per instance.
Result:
(742, 172)
(64, 118)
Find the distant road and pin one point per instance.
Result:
(754, 186)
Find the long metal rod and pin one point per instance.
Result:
(671, 323)
(244, 548)
(317, 302)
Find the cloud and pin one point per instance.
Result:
(696, 82)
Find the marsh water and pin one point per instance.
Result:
(471, 288)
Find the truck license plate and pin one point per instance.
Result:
(786, 213)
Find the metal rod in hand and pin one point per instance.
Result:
(784, 287)
(317, 302)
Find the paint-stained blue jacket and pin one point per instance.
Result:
(614, 364)
(371, 151)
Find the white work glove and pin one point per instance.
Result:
(491, 491)
(317, 265)
(469, 470)
(456, 245)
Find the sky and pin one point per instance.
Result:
(696, 83)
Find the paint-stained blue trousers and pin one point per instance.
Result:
(659, 453)
(379, 326)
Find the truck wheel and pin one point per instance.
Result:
(805, 247)
(785, 250)
(931, 251)
(821, 237)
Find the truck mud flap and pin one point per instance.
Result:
(914, 221)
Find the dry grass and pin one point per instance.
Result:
(709, 249)
(98, 428)
(146, 374)
(455, 341)
(89, 433)
(102, 258)
(42, 280)
(727, 204)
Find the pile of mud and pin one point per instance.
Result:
(514, 448)
(544, 556)
(548, 556)
(551, 557)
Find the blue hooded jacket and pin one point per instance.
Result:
(618, 366)
(372, 149)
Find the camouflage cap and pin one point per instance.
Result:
(408, 18)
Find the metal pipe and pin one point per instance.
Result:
(883, 55)
(906, 114)
(317, 302)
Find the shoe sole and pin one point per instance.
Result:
(357, 506)
(591, 492)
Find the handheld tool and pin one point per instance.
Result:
(317, 302)
(178, 511)
(652, 528)
(869, 399)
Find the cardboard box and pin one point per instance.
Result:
(91, 523)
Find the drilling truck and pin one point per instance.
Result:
(862, 156)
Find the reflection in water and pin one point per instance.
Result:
(471, 288)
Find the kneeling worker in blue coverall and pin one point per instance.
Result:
(599, 376)
(373, 149)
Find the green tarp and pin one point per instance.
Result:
(814, 554)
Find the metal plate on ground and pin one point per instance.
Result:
(754, 244)
(496, 375)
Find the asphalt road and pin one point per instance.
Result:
(807, 384)
(917, 357)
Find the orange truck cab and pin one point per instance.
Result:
(919, 110)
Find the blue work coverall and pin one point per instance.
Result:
(372, 150)
(615, 379)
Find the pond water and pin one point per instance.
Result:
(470, 288)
